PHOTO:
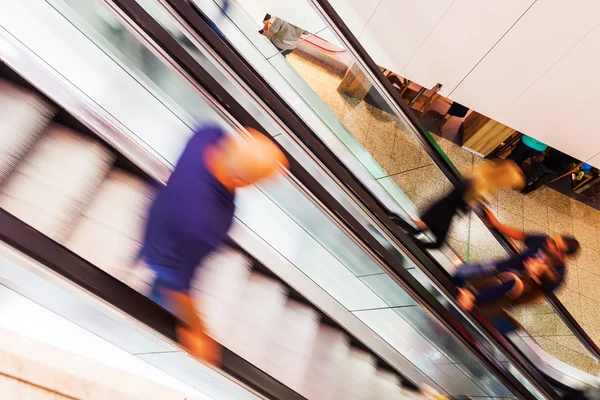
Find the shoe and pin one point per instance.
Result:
(404, 225)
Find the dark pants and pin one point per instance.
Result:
(538, 183)
(286, 52)
(522, 152)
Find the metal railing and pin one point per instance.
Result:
(176, 56)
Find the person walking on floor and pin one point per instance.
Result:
(283, 35)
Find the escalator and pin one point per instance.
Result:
(102, 224)
(558, 373)
(109, 212)
(96, 209)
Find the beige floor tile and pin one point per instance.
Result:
(589, 284)
(589, 312)
(582, 211)
(561, 328)
(460, 248)
(540, 195)
(558, 201)
(379, 142)
(482, 237)
(587, 259)
(509, 218)
(462, 159)
(586, 234)
(571, 279)
(576, 359)
(559, 222)
(533, 227)
(406, 184)
(593, 333)
(405, 133)
(422, 203)
(407, 156)
(334, 101)
(459, 230)
(482, 254)
(329, 75)
(429, 182)
(539, 324)
(571, 342)
(596, 216)
(358, 127)
(538, 306)
(549, 345)
(510, 200)
(535, 211)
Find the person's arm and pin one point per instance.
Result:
(508, 231)
(274, 25)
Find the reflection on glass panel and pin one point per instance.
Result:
(102, 27)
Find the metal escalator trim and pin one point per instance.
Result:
(174, 54)
(562, 375)
(75, 269)
(385, 87)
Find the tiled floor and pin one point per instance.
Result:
(545, 210)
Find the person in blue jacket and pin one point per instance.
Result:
(542, 263)
(191, 215)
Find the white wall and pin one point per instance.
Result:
(531, 64)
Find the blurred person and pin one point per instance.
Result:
(470, 194)
(191, 215)
(541, 264)
(526, 148)
(282, 34)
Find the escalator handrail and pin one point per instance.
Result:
(183, 61)
(452, 174)
(94, 280)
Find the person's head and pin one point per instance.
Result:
(489, 176)
(243, 160)
(559, 246)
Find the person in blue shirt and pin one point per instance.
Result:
(191, 215)
(541, 263)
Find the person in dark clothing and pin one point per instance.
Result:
(539, 173)
(542, 262)
(526, 148)
(191, 216)
(470, 194)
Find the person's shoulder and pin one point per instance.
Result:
(209, 133)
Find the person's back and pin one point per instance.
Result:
(284, 35)
(193, 208)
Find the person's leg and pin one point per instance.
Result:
(171, 290)
(538, 183)
(286, 52)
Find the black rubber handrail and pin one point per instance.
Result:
(451, 173)
(183, 60)
(94, 280)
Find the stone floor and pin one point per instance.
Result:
(395, 149)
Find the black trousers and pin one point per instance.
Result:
(522, 152)
(287, 52)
